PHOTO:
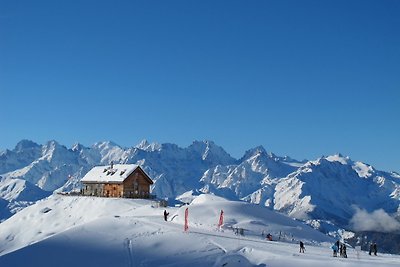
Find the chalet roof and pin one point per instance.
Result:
(103, 174)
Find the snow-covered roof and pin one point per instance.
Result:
(118, 173)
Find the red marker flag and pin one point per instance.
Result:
(186, 227)
(221, 219)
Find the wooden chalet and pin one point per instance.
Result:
(117, 180)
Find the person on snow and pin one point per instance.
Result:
(371, 248)
(302, 248)
(344, 253)
(335, 249)
(341, 250)
(166, 215)
(375, 248)
(269, 237)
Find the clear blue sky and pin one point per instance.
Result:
(301, 78)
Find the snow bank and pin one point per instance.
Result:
(256, 220)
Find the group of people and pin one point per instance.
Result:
(339, 248)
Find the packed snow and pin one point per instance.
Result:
(88, 231)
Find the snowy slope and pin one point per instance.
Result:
(81, 231)
(16, 194)
(55, 215)
(20, 190)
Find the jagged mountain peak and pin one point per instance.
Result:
(253, 152)
(259, 152)
(78, 147)
(108, 151)
(362, 169)
(105, 145)
(51, 144)
(146, 146)
(209, 151)
(52, 147)
(339, 158)
(202, 145)
(326, 164)
(25, 144)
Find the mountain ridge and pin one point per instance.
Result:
(328, 188)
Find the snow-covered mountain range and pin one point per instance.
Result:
(332, 188)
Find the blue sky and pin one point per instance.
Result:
(301, 78)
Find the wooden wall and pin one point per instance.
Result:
(113, 190)
(136, 185)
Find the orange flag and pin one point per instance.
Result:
(221, 219)
(186, 227)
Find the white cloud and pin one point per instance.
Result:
(378, 221)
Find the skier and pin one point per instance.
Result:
(302, 248)
(269, 237)
(335, 249)
(371, 247)
(341, 250)
(375, 249)
(344, 251)
(166, 215)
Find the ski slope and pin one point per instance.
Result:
(86, 231)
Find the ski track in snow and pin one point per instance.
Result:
(128, 246)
